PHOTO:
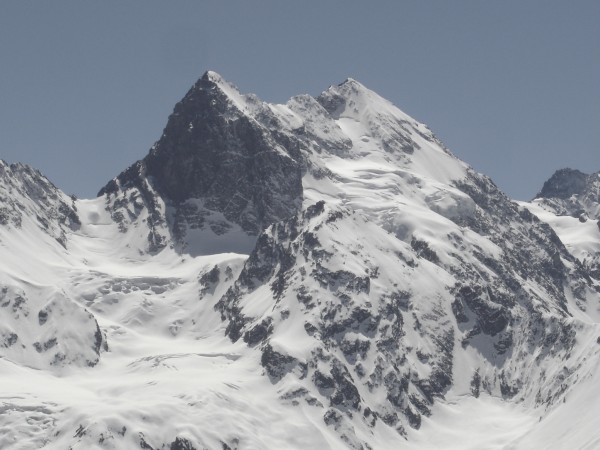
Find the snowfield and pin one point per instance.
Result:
(398, 301)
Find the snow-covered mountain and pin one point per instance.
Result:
(570, 202)
(571, 192)
(318, 274)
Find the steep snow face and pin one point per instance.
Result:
(376, 126)
(318, 274)
(395, 171)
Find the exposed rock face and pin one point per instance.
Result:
(571, 192)
(216, 157)
(137, 207)
(564, 183)
(212, 150)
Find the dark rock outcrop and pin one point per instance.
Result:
(563, 184)
(213, 157)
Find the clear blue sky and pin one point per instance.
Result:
(511, 87)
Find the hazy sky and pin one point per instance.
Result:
(511, 87)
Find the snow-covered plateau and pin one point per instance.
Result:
(322, 274)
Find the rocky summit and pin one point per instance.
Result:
(323, 273)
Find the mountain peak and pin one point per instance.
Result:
(352, 82)
(213, 76)
(351, 88)
(563, 184)
(353, 99)
(570, 192)
(216, 162)
(212, 81)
